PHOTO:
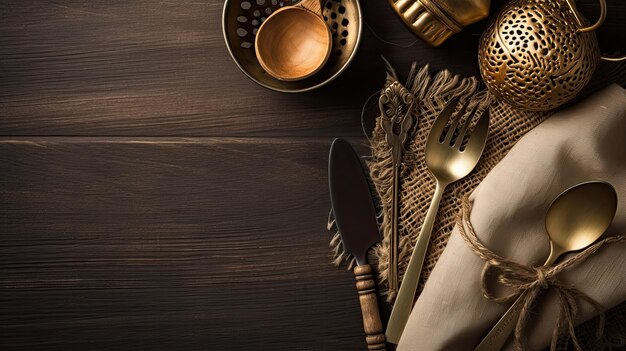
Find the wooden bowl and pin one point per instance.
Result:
(242, 19)
(293, 43)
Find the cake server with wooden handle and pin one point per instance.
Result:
(355, 217)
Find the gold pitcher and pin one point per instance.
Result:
(538, 54)
(434, 21)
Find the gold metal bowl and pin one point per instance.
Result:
(241, 20)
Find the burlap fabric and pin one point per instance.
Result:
(507, 126)
(416, 183)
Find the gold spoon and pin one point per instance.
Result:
(575, 220)
(294, 42)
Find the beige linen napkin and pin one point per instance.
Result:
(582, 143)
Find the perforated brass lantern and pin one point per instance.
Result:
(538, 54)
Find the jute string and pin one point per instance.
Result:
(527, 282)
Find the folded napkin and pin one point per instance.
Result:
(582, 143)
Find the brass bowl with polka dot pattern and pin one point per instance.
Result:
(241, 20)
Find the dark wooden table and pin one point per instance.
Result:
(152, 197)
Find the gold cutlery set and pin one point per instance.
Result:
(296, 47)
(456, 140)
(574, 221)
(523, 32)
(450, 156)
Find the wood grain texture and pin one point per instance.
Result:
(146, 68)
(154, 68)
(152, 197)
(170, 244)
(368, 298)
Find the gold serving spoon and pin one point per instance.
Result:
(294, 42)
(575, 220)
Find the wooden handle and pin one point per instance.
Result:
(314, 6)
(372, 325)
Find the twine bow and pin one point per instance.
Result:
(527, 282)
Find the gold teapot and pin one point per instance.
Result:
(538, 54)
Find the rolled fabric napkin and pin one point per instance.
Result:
(582, 143)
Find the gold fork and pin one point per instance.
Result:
(448, 162)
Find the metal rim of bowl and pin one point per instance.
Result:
(319, 85)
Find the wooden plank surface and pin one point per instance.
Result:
(170, 244)
(152, 197)
(156, 68)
